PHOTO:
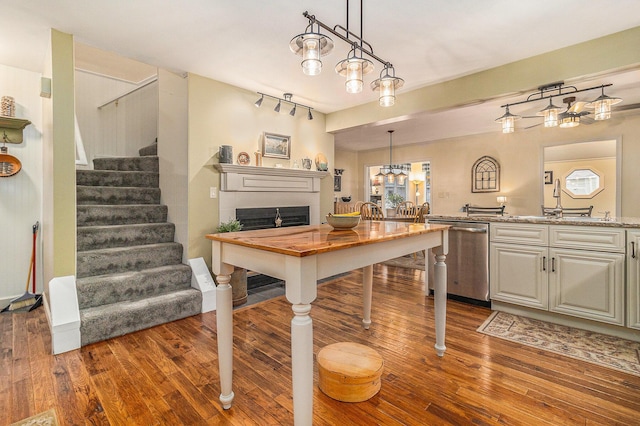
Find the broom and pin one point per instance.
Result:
(27, 299)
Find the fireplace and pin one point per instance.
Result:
(255, 188)
(265, 217)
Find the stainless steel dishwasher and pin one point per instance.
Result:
(467, 261)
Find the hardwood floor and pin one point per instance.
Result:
(168, 374)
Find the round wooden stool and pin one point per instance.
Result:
(349, 372)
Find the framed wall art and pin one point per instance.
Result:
(548, 177)
(337, 183)
(485, 175)
(276, 146)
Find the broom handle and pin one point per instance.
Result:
(26, 289)
(33, 254)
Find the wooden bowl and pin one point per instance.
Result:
(343, 222)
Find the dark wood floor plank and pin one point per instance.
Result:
(169, 374)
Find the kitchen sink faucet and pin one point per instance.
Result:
(556, 194)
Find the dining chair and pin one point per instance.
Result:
(405, 209)
(371, 211)
(421, 212)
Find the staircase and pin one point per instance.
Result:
(130, 274)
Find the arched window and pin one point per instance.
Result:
(485, 175)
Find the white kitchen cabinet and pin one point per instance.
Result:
(633, 279)
(571, 270)
(587, 284)
(518, 275)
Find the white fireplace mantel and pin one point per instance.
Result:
(250, 187)
(268, 179)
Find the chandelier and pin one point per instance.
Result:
(554, 115)
(391, 175)
(312, 45)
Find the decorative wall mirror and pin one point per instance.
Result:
(485, 175)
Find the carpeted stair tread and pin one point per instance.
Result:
(117, 195)
(113, 214)
(148, 150)
(134, 285)
(117, 178)
(99, 237)
(107, 321)
(123, 259)
(140, 164)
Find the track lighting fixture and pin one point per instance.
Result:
(287, 99)
(312, 45)
(553, 115)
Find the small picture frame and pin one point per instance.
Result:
(548, 177)
(276, 146)
(337, 183)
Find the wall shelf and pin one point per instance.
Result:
(11, 129)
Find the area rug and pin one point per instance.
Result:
(47, 418)
(601, 349)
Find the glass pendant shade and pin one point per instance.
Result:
(602, 106)
(387, 85)
(311, 46)
(550, 114)
(391, 177)
(354, 68)
(570, 120)
(508, 121)
(401, 177)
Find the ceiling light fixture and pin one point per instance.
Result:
(391, 175)
(311, 45)
(387, 85)
(287, 99)
(553, 115)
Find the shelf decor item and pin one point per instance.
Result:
(8, 106)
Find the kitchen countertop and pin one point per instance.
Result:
(619, 222)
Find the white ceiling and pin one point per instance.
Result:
(245, 43)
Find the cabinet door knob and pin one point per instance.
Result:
(544, 263)
(633, 249)
(553, 264)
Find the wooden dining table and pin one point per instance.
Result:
(302, 255)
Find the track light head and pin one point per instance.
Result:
(293, 110)
(310, 116)
(259, 101)
(277, 108)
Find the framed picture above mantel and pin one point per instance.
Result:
(276, 146)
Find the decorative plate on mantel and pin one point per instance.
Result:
(244, 159)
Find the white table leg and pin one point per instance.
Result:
(224, 318)
(302, 364)
(440, 299)
(367, 294)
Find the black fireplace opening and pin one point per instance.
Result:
(265, 217)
